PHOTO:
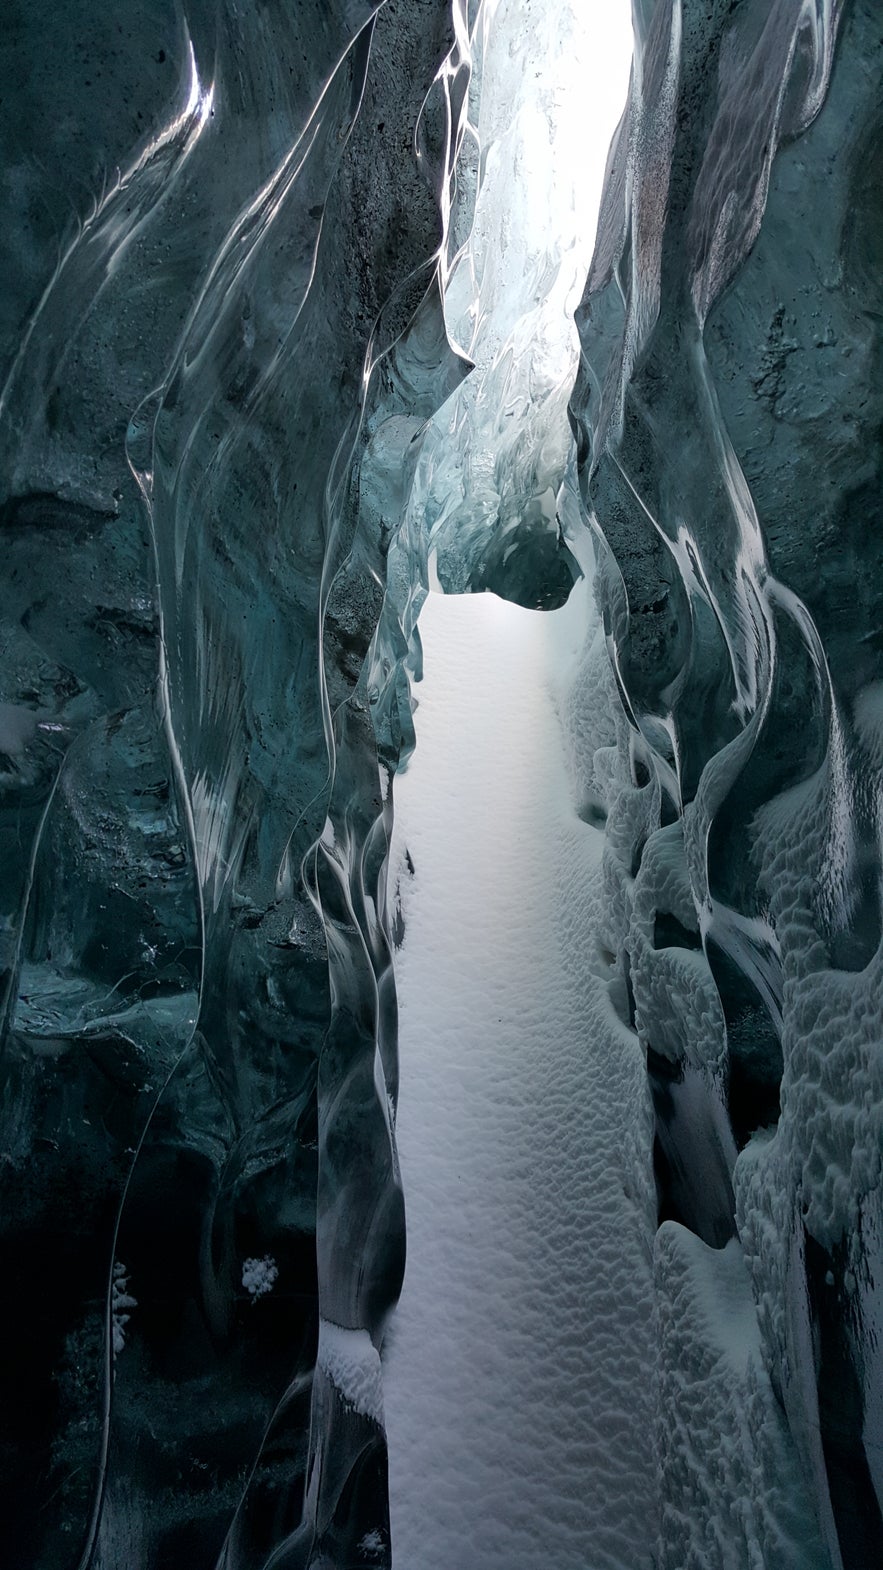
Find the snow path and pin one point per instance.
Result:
(517, 1371)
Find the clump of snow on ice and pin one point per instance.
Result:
(121, 1301)
(352, 1363)
(259, 1276)
(372, 1543)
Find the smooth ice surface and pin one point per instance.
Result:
(517, 1370)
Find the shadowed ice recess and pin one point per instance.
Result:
(301, 321)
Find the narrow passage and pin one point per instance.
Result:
(518, 1367)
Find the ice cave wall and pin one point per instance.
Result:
(728, 418)
(220, 228)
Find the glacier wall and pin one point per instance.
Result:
(221, 230)
(728, 418)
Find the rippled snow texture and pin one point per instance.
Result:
(518, 1371)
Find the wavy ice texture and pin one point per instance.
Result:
(199, 1015)
(728, 411)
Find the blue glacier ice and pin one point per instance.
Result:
(728, 420)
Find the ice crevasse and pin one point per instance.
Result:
(269, 373)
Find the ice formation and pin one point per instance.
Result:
(269, 371)
(728, 416)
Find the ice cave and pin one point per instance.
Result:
(441, 785)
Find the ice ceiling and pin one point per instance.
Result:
(284, 341)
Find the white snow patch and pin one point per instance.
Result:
(518, 1369)
(352, 1363)
(259, 1276)
(372, 1542)
(121, 1302)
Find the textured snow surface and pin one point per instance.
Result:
(734, 1495)
(517, 1380)
(352, 1363)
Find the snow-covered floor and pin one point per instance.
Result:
(517, 1371)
